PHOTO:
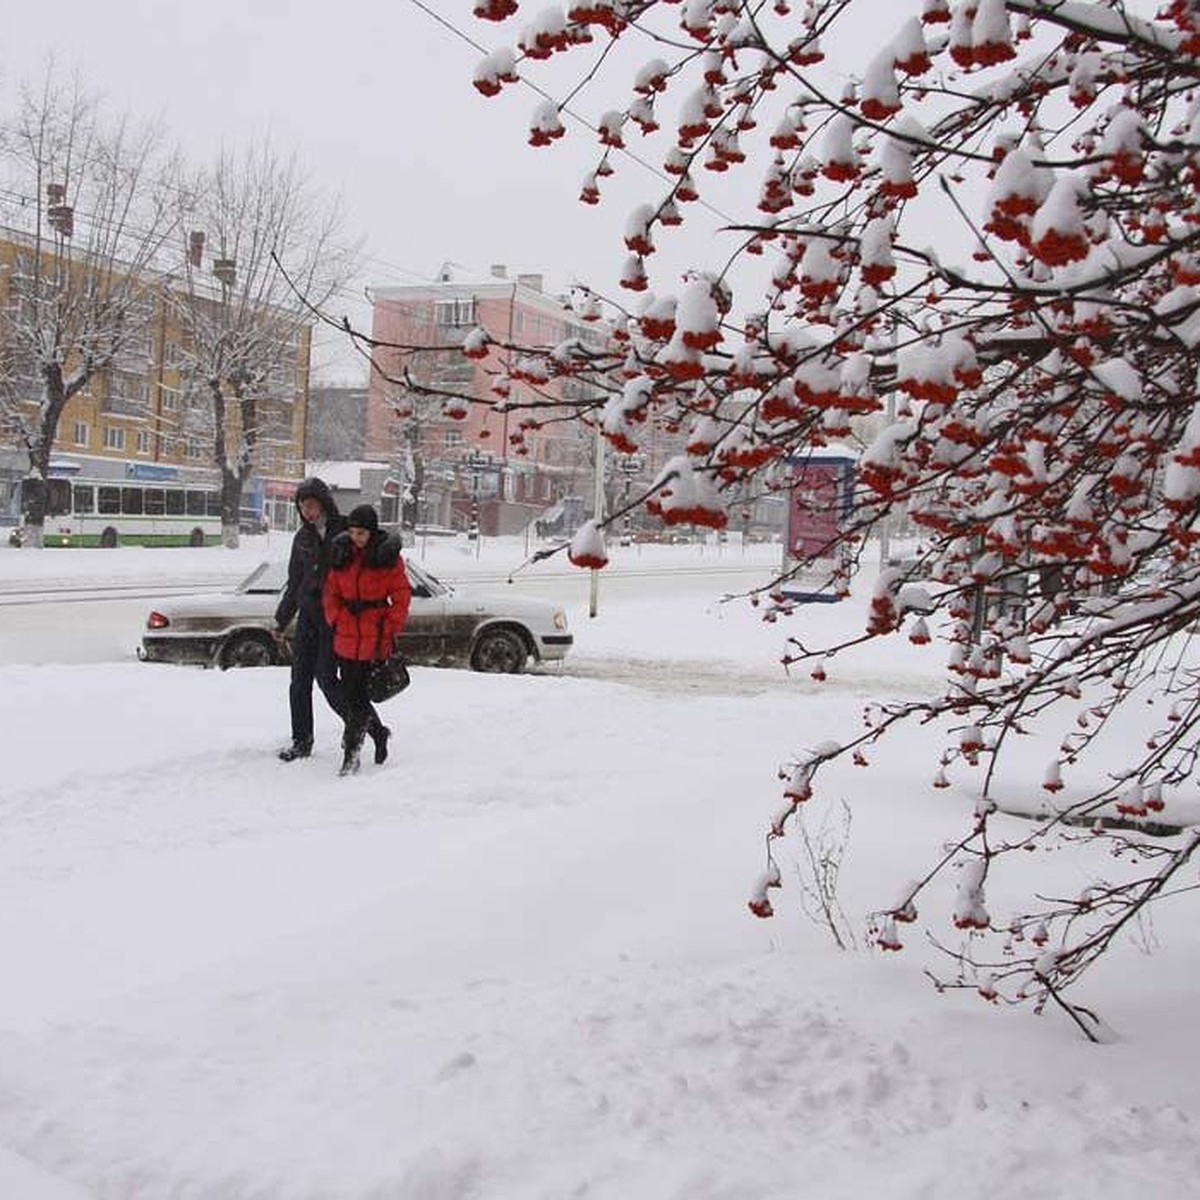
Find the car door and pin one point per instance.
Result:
(424, 635)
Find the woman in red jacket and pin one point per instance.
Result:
(366, 600)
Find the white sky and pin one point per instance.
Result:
(376, 100)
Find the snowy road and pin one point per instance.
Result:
(91, 617)
(84, 621)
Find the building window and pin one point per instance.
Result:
(81, 433)
(143, 441)
(128, 395)
(455, 312)
(114, 438)
(454, 437)
(194, 448)
(137, 345)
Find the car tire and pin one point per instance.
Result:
(108, 538)
(248, 649)
(197, 537)
(499, 652)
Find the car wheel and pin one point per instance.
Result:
(499, 652)
(197, 537)
(108, 538)
(247, 650)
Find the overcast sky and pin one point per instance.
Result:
(375, 97)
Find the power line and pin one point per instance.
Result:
(563, 108)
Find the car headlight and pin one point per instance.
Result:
(560, 620)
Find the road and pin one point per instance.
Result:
(77, 618)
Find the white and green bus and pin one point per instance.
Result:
(151, 506)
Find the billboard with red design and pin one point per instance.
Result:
(819, 500)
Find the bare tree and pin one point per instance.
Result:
(90, 207)
(263, 248)
(1037, 365)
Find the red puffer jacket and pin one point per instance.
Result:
(366, 596)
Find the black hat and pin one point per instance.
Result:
(363, 516)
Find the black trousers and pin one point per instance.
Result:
(312, 660)
(360, 712)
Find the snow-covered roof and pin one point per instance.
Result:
(344, 475)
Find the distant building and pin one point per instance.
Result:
(141, 414)
(337, 423)
(357, 482)
(456, 462)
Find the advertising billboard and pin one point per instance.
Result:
(819, 500)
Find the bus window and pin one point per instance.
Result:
(85, 498)
(132, 501)
(58, 497)
(108, 501)
(214, 504)
(174, 503)
(156, 502)
(195, 504)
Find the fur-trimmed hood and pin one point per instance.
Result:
(382, 550)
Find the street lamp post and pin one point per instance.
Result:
(598, 517)
(629, 465)
(477, 462)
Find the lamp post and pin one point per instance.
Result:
(630, 466)
(477, 462)
(597, 516)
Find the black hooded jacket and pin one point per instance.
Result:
(309, 561)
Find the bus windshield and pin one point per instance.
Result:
(58, 497)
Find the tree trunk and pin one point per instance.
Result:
(231, 503)
(231, 477)
(35, 490)
(417, 486)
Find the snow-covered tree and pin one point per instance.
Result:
(90, 205)
(263, 250)
(976, 221)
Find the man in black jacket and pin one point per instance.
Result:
(312, 646)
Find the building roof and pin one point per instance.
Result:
(345, 476)
(454, 280)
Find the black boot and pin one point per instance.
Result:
(380, 735)
(295, 750)
(350, 756)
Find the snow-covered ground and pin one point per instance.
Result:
(516, 961)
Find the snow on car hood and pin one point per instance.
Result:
(467, 600)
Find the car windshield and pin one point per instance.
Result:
(269, 577)
(421, 579)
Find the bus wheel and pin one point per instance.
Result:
(108, 539)
(197, 538)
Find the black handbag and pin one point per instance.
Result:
(388, 678)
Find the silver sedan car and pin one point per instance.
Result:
(447, 626)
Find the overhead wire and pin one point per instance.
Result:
(446, 23)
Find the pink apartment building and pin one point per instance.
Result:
(451, 462)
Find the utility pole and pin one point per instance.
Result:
(597, 516)
(476, 461)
